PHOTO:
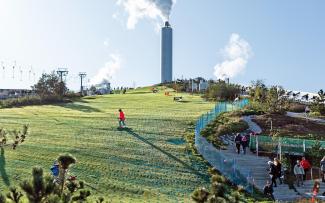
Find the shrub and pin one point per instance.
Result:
(31, 100)
(296, 107)
(222, 91)
(314, 114)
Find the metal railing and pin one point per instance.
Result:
(227, 166)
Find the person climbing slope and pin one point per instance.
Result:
(237, 142)
(121, 119)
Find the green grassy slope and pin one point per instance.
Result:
(148, 162)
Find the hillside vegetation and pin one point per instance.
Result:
(149, 161)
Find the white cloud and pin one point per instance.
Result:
(236, 55)
(106, 42)
(108, 71)
(156, 10)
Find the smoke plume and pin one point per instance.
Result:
(236, 55)
(152, 9)
(109, 70)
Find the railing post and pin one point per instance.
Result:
(256, 142)
(280, 149)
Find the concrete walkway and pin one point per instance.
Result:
(304, 116)
(258, 168)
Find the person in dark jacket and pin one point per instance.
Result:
(272, 173)
(268, 190)
(244, 142)
(237, 142)
(278, 167)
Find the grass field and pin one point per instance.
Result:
(149, 162)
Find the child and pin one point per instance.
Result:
(121, 119)
(268, 190)
(55, 169)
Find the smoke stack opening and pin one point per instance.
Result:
(167, 24)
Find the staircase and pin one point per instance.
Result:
(258, 166)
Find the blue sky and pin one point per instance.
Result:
(286, 40)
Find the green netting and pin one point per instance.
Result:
(283, 144)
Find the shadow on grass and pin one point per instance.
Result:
(79, 107)
(3, 172)
(195, 171)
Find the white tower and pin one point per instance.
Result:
(166, 53)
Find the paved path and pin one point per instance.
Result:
(258, 168)
(307, 188)
(303, 115)
(252, 125)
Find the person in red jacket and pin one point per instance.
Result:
(305, 165)
(121, 119)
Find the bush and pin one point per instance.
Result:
(315, 114)
(296, 107)
(31, 100)
(222, 91)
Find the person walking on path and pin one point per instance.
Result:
(244, 143)
(315, 191)
(299, 172)
(278, 167)
(237, 142)
(121, 119)
(272, 173)
(268, 190)
(322, 168)
(305, 165)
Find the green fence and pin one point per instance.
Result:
(281, 145)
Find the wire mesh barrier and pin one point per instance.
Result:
(227, 166)
(282, 145)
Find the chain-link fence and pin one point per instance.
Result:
(227, 166)
(281, 145)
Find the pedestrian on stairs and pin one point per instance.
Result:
(268, 190)
(237, 142)
(322, 168)
(272, 173)
(305, 165)
(298, 170)
(278, 167)
(244, 143)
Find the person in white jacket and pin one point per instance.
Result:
(299, 173)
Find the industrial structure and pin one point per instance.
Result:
(166, 53)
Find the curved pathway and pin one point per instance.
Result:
(304, 116)
(257, 166)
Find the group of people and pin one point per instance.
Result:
(300, 170)
(242, 141)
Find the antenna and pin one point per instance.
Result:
(13, 70)
(30, 72)
(82, 75)
(3, 70)
(21, 73)
(62, 72)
